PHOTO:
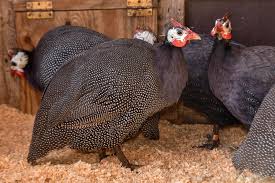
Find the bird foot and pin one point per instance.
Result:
(133, 166)
(122, 158)
(102, 155)
(212, 142)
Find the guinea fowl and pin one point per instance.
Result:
(54, 49)
(257, 151)
(239, 77)
(197, 94)
(103, 96)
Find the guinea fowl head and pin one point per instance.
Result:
(178, 35)
(18, 61)
(222, 28)
(145, 34)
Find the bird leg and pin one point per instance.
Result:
(102, 154)
(213, 140)
(122, 158)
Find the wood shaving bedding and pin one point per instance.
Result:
(171, 159)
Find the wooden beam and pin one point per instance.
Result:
(67, 5)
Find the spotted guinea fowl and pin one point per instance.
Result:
(239, 77)
(197, 94)
(103, 96)
(54, 49)
(257, 151)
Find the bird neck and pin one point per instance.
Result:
(31, 72)
(171, 67)
(221, 51)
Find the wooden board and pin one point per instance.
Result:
(61, 5)
(170, 9)
(103, 21)
(9, 86)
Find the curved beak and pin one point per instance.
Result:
(194, 36)
(214, 31)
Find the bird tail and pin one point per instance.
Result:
(45, 139)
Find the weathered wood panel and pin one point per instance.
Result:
(81, 4)
(170, 9)
(3, 86)
(10, 87)
(30, 31)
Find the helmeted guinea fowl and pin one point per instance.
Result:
(54, 49)
(257, 151)
(104, 95)
(240, 77)
(197, 94)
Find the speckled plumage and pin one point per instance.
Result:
(241, 77)
(257, 151)
(56, 48)
(197, 93)
(92, 104)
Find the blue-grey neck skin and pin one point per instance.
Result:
(31, 72)
(221, 48)
(171, 67)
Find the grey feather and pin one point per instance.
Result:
(257, 151)
(55, 48)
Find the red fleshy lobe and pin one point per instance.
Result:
(16, 73)
(178, 43)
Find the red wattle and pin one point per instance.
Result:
(227, 36)
(178, 43)
(20, 74)
(17, 73)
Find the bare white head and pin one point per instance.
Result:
(145, 34)
(18, 61)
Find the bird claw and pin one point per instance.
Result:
(212, 142)
(102, 155)
(133, 166)
(125, 163)
(209, 146)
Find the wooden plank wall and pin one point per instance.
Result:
(18, 93)
(9, 87)
(170, 9)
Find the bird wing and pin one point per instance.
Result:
(256, 76)
(72, 97)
